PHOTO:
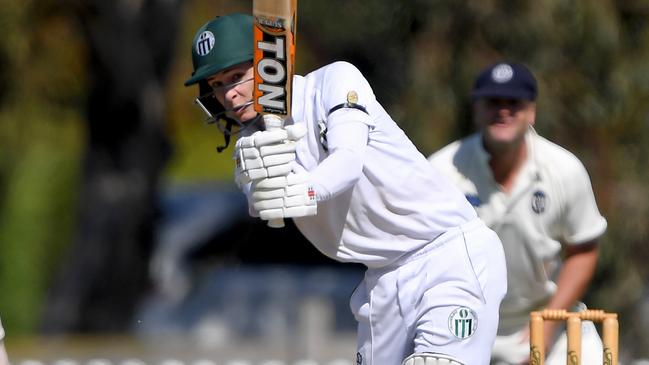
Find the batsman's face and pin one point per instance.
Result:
(233, 89)
(503, 121)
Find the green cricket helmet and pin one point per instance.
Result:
(219, 44)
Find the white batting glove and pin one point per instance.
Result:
(266, 153)
(288, 196)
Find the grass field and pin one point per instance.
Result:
(122, 350)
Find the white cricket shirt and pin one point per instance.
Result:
(382, 199)
(551, 203)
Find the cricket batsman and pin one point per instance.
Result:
(360, 192)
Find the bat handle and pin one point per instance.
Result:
(276, 223)
(271, 122)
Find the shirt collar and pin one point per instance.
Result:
(531, 165)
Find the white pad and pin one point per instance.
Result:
(269, 204)
(257, 174)
(277, 149)
(255, 163)
(246, 142)
(249, 153)
(273, 121)
(291, 196)
(298, 200)
(287, 196)
(280, 159)
(270, 214)
(292, 212)
(269, 137)
(272, 183)
(268, 194)
(303, 211)
(429, 358)
(279, 170)
(296, 131)
(298, 189)
(298, 178)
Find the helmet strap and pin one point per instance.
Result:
(228, 129)
(226, 136)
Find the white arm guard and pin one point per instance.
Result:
(429, 358)
(347, 139)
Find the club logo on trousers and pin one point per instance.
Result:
(463, 322)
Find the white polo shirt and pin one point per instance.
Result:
(383, 199)
(551, 203)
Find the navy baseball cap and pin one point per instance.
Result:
(507, 80)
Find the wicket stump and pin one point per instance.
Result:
(610, 329)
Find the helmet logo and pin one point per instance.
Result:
(502, 73)
(205, 43)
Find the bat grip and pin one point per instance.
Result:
(274, 122)
(276, 223)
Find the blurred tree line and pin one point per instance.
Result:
(92, 103)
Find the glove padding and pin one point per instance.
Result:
(288, 196)
(266, 153)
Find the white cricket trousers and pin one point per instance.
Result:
(443, 298)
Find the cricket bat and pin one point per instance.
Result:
(274, 60)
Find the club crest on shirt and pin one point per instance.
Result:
(463, 322)
(539, 202)
(352, 97)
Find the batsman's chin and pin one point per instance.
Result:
(249, 118)
(245, 114)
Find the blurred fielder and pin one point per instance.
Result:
(538, 198)
(359, 191)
